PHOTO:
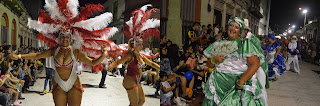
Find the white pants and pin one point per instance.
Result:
(294, 59)
(262, 79)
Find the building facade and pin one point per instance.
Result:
(177, 16)
(311, 30)
(14, 30)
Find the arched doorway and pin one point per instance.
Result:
(4, 28)
(13, 34)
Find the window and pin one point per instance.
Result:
(4, 28)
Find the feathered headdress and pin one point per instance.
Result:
(63, 17)
(140, 25)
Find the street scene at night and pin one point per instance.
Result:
(241, 52)
(80, 53)
(159, 53)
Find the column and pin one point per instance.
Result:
(224, 15)
(211, 13)
(174, 23)
(204, 12)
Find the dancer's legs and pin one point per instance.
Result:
(133, 94)
(296, 64)
(141, 96)
(74, 95)
(59, 96)
(290, 59)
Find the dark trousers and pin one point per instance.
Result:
(103, 78)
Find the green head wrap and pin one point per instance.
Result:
(238, 20)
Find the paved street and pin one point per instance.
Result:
(114, 95)
(292, 89)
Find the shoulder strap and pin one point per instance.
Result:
(72, 55)
(56, 52)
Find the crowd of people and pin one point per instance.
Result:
(194, 68)
(17, 75)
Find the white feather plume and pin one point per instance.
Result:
(123, 46)
(112, 32)
(96, 23)
(146, 51)
(73, 7)
(78, 41)
(52, 7)
(145, 7)
(150, 23)
(43, 27)
(140, 15)
(129, 23)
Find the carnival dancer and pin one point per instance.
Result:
(263, 69)
(275, 58)
(63, 25)
(234, 81)
(293, 51)
(139, 27)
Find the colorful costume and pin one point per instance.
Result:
(262, 72)
(88, 35)
(293, 51)
(140, 27)
(220, 87)
(276, 65)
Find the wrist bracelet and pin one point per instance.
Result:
(239, 85)
(19, 56)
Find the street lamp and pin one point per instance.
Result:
(305, 16)
(293, 26)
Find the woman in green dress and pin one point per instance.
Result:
(234, 81)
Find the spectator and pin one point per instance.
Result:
(163, 41)
(216, 29)
(313, 51)
(166, 90)
(205, 36)
(193, 38)
(9, 85)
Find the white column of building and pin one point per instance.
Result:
(224, 15)
(211, 13)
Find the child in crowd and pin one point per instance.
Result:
(166, 89)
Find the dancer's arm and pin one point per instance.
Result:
(254, 64)
(150, 63)
(117, 62)
(216, 59)
(278, 51)
(38, 55)
(93, 62)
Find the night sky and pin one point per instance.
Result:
(285, 12)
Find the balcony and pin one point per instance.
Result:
(15, 5)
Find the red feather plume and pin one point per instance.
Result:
(87, 11)
(50, 42)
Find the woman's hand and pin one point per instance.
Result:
(13, 56)
(104, 50)
(237, 86)
(218, 58)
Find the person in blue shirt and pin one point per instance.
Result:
(275, 58)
